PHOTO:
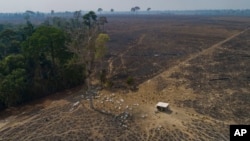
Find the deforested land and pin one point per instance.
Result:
(198, 64)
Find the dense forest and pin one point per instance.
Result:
(39, 59)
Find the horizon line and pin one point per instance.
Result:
(127, 10)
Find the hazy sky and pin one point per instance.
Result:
(119, 5)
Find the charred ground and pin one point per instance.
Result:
(199, 64)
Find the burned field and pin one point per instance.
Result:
(142, 47)
(222, 79)
(198, 64)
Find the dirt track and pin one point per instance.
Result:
(206, 51)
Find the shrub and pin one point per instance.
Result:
(109, 84)
(130, 80)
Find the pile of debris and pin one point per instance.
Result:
(123, 119)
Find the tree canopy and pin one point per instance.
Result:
(39, 60)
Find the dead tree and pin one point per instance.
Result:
(84, 35)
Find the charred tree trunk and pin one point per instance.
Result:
(89, 69)
(88, 82)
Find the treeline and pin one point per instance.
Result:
(35, 17)
(38, 60)
(40, 16)
(226, 12)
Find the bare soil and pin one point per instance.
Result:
(200, 65)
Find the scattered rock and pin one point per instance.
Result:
(136, 104)
(76, 104)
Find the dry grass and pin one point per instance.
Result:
(200, 68)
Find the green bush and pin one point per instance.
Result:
(108, 84)
(130, 80)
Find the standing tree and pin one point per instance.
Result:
(102, 20)
(75, 22)
(132, 9)
(89, 20)
(137, 8)
(52, 12)
(100, 47)
(100, 10)
(87, 43)
(45, 53)
(6, 38)
(112, 10)
(148, 9)
(13, 81)
(28, 14)
(27, 30)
